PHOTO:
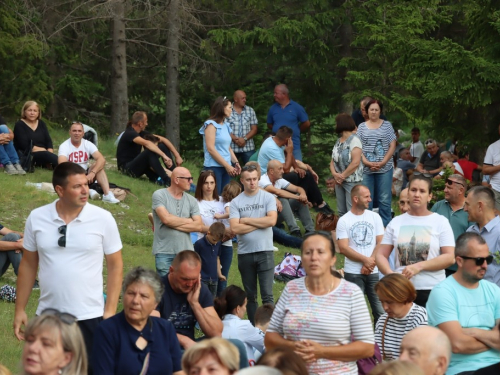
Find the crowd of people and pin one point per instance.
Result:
(431, 276)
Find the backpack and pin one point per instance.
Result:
(290, 268)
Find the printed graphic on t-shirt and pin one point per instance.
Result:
(78, 157)
(413, 244)
(378, 152)
(362, 233)
(181, 317)
(251, 207)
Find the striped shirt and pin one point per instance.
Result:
(396, 329)
(329, 319)
(376, 144)
(241, 125)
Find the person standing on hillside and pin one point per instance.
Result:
(244, 125)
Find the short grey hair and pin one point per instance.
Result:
(144, 276)
(462, 244)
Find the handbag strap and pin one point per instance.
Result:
(383, 337)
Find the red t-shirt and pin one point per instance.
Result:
(467, 167)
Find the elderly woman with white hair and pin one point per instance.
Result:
(132, 342)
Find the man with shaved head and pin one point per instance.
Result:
(428, 348)
(293, 198)
(244, 125)
(287, 112)
(176, 214)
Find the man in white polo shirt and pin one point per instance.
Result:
(68, 239)
(293, 198)
(79, 150)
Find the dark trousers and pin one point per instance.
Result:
(308, 184)
(44, 158)
(88, 328)
(422, 297)
(148, 163)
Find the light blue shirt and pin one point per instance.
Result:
(472, 308)
(270, 151)
(252, 337)
(222, 143)
(491, 234)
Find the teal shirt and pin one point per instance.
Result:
(471, 308)
(459, 220)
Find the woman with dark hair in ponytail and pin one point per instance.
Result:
(231, 307)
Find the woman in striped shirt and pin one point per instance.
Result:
(323, 318)
(396, 293)
(379, 142)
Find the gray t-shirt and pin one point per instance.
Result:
(255, 206)
(167, 240)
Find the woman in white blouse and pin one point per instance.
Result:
(231, 307)
(323, 318)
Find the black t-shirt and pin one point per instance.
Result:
(175, 308)
(127, 149)
(2, 121)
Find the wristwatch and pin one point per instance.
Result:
(245, 138)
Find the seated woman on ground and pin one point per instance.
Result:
(132, 339)
(54, 345)
(231, 307)
(31, 133)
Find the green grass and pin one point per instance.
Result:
(18, 200)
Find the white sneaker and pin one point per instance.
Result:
(94, 194)
(275, 248)
(110, 198)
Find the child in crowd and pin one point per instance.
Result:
(230, 191)
(209, 249)
(263, 316)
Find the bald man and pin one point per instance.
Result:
(287, 112)
(244, 125)
(427, 347)
(175, 214)
(404, 201)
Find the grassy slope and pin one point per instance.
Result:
(18, 200)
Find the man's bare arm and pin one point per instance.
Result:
(114, 264)
(461, 343)
(261, 222)
(25, 282)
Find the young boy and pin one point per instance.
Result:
(262, 318)
(209, 248)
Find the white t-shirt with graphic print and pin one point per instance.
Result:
(362, 231)
(416, 239)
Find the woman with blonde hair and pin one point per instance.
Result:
(216, 354)
(396, 294)
(31, 134)
(54, 345)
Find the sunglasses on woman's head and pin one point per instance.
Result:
(65, 317)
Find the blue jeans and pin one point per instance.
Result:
(255, 266)
(380, 185)
(163, 263)
(222, 178)
(8, 257)
(367, 285)
(343, 194)
(244, 156)
(8, 153)
(226, 258)
(283, 238)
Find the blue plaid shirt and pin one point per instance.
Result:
(241, 124)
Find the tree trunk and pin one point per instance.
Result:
(345, 51)
(119, 91)
(172, 125)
